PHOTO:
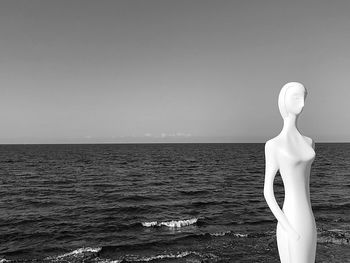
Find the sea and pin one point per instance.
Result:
(159, 203)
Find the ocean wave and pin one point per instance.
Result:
(102, 254)
(193, 192)
(138, 198)
(176, 255)
(218, 234)
(75, 253)
(171, 224)
(163, 256)
(334, 236)
(81, 255)
(243, 235)
(109, 260)
(335, 206)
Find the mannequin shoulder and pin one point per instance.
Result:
(309, 141)
(272, 145)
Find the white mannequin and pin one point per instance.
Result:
(292, 154)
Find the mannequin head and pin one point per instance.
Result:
(291, 99)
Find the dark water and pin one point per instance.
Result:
(158, 203)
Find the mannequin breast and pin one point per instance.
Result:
(295, 153)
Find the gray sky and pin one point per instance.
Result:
(179, 70)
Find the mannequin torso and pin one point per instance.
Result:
(294, 158)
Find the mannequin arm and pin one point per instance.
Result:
(271, 169)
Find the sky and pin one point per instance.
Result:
(170, 70)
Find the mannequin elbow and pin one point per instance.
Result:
(266, 193)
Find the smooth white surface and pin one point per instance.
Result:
(292, 154)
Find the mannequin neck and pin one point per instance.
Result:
(290, 125)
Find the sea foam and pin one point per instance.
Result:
(76, 253)
(164, 256)
(172, 223)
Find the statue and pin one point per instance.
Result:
(292, 154)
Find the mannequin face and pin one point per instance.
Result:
(294, 99)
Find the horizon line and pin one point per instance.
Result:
(97, 143)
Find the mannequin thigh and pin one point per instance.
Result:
(303, 250)
(282, 244)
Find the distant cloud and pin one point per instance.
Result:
(177, 134)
